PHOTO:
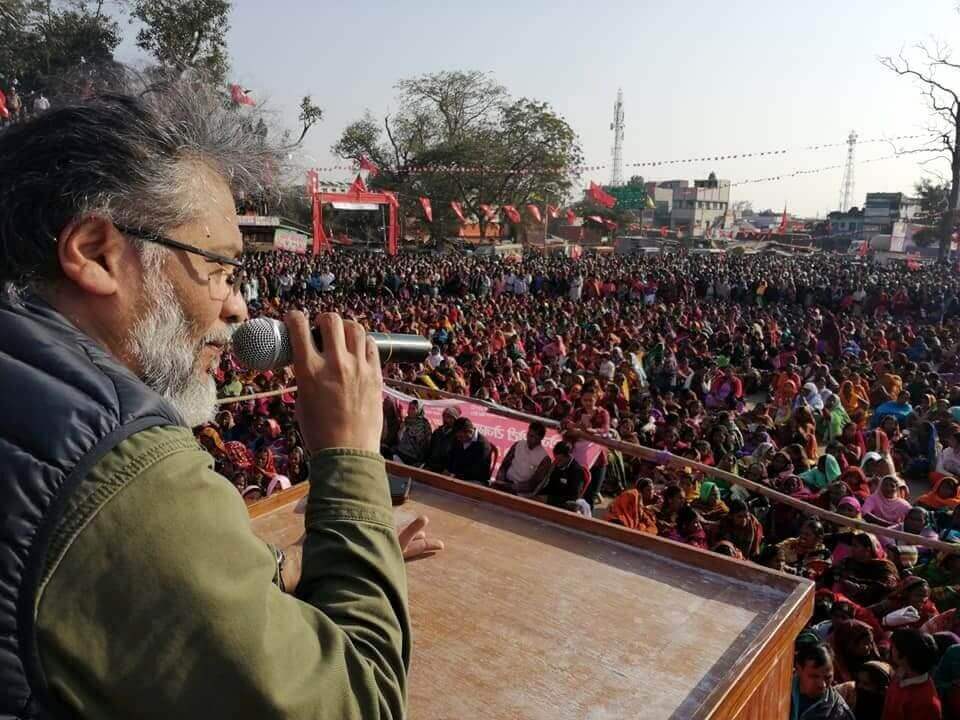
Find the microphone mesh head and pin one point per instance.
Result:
(262, 344)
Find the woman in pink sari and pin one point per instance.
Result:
(885, 506)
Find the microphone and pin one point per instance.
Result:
(264, 344)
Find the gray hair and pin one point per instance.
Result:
(128, 155)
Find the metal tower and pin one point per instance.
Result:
(616, 176)
(846, 187)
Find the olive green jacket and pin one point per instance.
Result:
(159, 602)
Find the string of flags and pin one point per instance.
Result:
(365, 164)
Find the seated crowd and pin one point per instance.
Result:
(833, 382)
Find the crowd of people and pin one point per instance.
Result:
(832, 381)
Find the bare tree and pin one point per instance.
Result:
(930, 66)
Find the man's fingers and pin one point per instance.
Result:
(355, 337)
(407, 533)
(422, 547)
(331, 332)
(300, 339)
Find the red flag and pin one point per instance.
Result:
(488, 212)
(535, 212)
(571, 216)
(457, 210)
(4, 113)
(600, 196)
(239, 96)
(553, 212)
(663, 231)
(595, 218)
(368, 165)
(864, 248)
(357, 186)
(576, 251)
(783, 222)
(512, 214)
(427, 210)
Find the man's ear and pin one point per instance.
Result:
(92, 255)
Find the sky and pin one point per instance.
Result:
(699, 78)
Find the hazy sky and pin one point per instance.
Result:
(699, 77)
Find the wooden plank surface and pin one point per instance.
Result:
(523, 618)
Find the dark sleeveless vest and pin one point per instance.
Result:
(64, 404)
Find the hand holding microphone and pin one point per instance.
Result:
(339, 396)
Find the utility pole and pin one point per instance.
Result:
(846, 187)
(616, 176)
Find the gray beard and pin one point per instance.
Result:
(168, 359)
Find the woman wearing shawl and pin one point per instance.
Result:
(413, 438)
(865, 575)
(854, 446)
(709, 504)
(265, 473)
(826, 471)
(856, 480)
(836, 418)
(689, 529)
(885, 506)
(212, 442)
(944, 494)
(912, 591)
(783, 402)
(628, 510)
(924, 448)
(899, 409)
(741, 528)
(810, 396)
(852, 399)
(853, 645)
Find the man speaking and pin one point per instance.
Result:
(131, 584)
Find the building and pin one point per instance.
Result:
(848, 224)
(697, 208)
(882, 211)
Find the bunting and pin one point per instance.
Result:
(457, 210)
(535, 213)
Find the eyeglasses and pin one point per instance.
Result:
(220, 283)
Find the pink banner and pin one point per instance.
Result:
(502, 432)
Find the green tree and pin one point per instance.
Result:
(44, 40)
(636, 181)
(185, 35)
(458, 136)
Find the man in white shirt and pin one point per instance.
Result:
(434, 358)
(527, 463)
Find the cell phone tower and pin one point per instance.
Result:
(616, 176)
(846, 187)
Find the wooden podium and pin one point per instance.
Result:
(534, 612)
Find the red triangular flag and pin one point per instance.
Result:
(368, 165)
(512, 214)
(239, 96)
(457, 210)
(553, 212)
(357, 186)
(488, 212)
(427, 210)
(534, 212)
(571, 216)
(783, 222)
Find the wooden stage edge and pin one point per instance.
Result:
(756, 686)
